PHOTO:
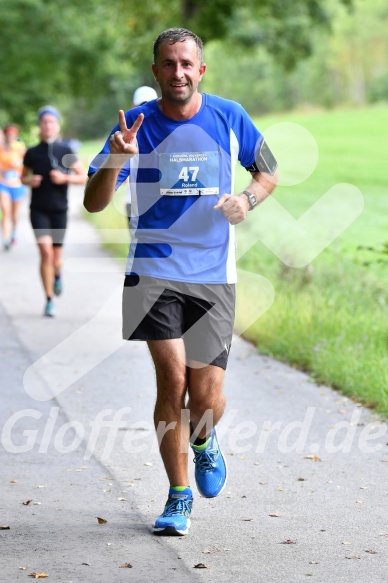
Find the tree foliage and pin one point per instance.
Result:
(348, 65)
(285, 28)
(51, 50)
(88, 51)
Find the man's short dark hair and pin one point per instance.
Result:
(178, 35)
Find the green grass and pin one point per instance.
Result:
(329, 317)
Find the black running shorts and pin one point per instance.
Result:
(49, 223)
(201, 314)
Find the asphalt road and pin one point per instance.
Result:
(308, 468)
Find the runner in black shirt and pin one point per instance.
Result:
(48, 169)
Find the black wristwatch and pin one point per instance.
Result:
(252, 199)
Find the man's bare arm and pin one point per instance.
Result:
(235, 208)
(101, 186)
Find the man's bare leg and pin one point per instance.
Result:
(171, 380)
(206, 399)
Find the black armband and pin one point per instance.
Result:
(265, 160)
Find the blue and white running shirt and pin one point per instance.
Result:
(181, 170)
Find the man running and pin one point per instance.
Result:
(180, 152)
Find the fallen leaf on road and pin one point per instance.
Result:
(247, 519)
(87, 564)
(211, 551)
(122, 499)
(148, 464)
(101, 520)
(315, 458)
(5, 527)
(27, 502)
(23, 568)
(200, 566)
(354, 557)
(14, 481)
(275, 514)
(313, 563)
(300, 480)
(346, 542)
(42, 486)
(126, 566)
(37, 575)
(288, 542)
(371, 552)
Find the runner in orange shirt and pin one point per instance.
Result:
(11, 188)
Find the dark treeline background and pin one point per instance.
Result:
(87, 57)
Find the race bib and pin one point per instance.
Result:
(189, 173)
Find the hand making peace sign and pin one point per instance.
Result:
(124, 141)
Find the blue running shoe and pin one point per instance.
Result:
(175, 520)
(210, 467)
(49, 310)
(58, 286)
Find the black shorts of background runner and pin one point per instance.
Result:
(201, 314)
(49, 223)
